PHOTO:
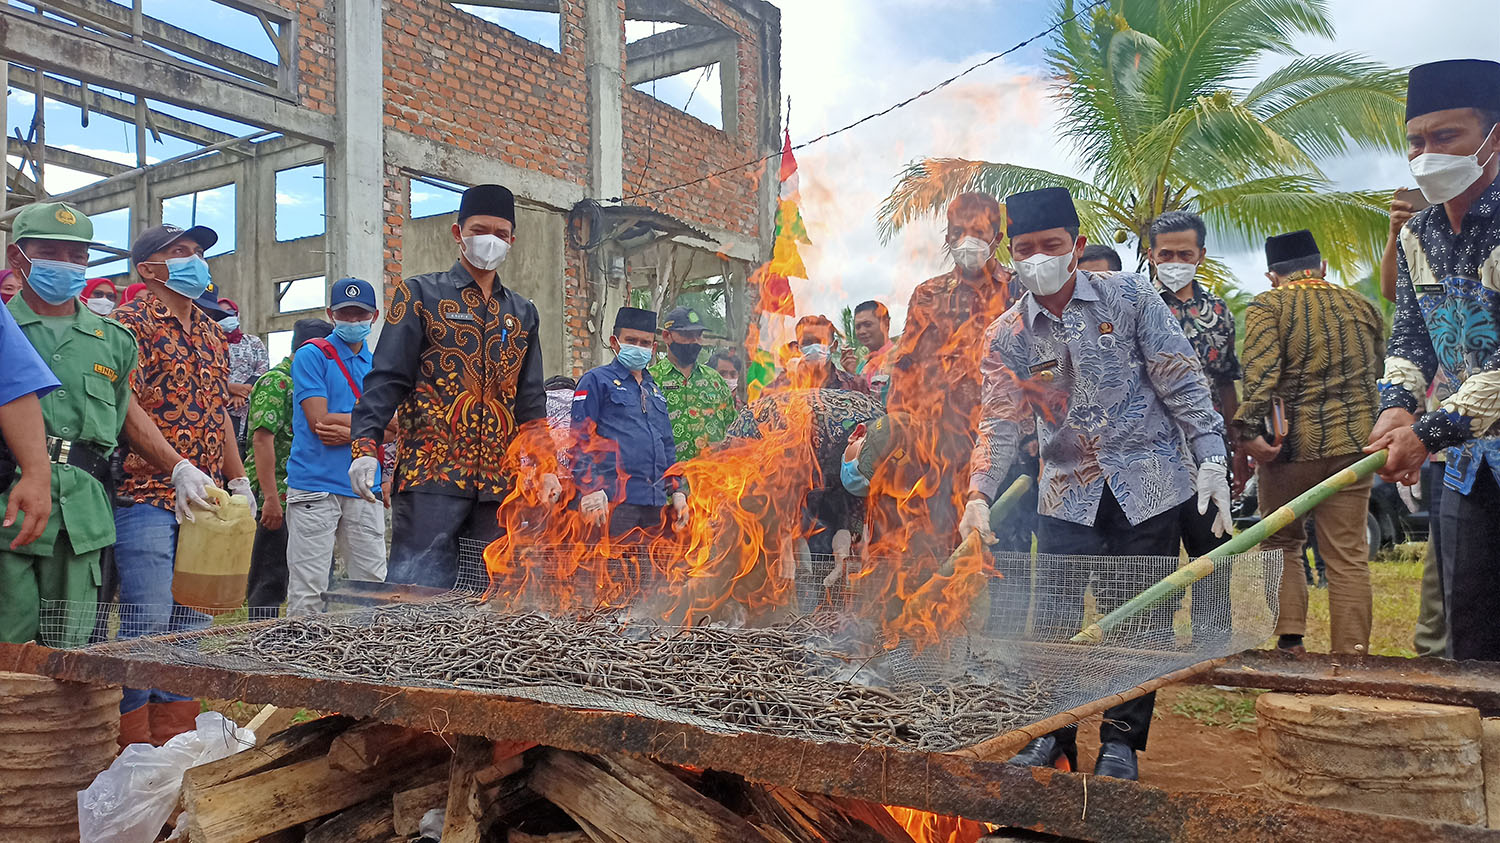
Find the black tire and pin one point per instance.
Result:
(1373, 533)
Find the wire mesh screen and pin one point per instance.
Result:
(934, 665)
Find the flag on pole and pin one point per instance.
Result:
(776, 310)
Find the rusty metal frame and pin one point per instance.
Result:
(1074, 806)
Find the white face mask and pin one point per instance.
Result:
(1442, 177)
(1175, 276)
(485, 251)
(101, 306)
(731, 381)
(1044, 275)
(971, 254)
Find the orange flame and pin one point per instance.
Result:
(926, 827)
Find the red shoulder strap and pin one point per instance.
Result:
(332, 353)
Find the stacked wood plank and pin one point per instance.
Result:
(335, 779)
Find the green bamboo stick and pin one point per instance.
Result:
(1253, 535)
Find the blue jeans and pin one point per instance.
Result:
(145, 553)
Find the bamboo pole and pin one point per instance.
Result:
(1256, 533)
(998, 510)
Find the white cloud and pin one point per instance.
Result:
(289, 199)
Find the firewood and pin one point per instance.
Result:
(559, 837)
(461, 825)
(298, 743)
(259, 720)
(813, 817)
(248, 808)
(367, 822)
(408, 806)
(621, 798)
(371, 743)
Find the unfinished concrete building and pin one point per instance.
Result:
(389, 109)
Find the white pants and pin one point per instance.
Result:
(317, 525)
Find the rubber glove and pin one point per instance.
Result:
(679, 511)
(843, 557)
(551, 488)
(595, 507)
(362, 477)
(1213, 486)
(977, 520)
(192, 488)
(241, 486)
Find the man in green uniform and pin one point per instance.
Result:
(699, 403)
(91, 356)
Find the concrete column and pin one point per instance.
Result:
(604, 64)
(355, 166)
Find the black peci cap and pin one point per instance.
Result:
(1281, 248)
(491, 200)
(1456, 83)
(1039, 210)
(635, 319)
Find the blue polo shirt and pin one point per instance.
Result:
(24, 372)
(314, 466)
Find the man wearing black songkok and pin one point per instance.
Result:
(1448, 321)
(459, 362)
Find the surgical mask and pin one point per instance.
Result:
(188, 276)
(485, 251)
(633, 357)
(971, 254)
(56, 281)
(854, 482)
(731, 381)
(815, 352)
(230, 324)
(101, 306)
(685, 352)
(1175, 276)
(1442, 177)
(352, 332)
(1044, 275)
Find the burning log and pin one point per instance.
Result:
(301, 790)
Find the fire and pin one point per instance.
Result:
(926, 827)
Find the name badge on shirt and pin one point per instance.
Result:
(1045, 371)
(106, 371)
(671, 386)
(461, 316)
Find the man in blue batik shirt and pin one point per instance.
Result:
(624, 436)
(1448, 319)
(1119, 398)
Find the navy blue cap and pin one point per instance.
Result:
(209, 302)
(352, 291)
(683, 320)
(153, 240)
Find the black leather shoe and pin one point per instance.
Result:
(1047, 751)
(1117, 760)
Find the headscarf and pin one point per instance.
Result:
(95, 283)
(10, 283)
(228, 305)
(132, 291)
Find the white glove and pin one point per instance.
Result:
(551, 488)
(192, 488)
(1213, 485)
(241, 486)
(843, 557)
(679, 511)
(1410, 495)
(977, 520)
(595, 507)
(362, 477)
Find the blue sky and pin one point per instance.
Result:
(841, 59)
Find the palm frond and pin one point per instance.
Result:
(1350, 226)
(1215, 140)
(1326, 103)
(1214, 43)
(926, 187)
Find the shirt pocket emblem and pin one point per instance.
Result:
(106, 371)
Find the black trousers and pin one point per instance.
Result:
(1469, 546)
(1208, 599)
(267, 590)
(1112, 540)
(425, 531)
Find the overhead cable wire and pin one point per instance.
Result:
(868, 117)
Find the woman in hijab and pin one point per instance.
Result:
(100, 296)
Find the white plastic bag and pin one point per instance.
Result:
(129, 802)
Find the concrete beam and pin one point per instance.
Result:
(64, 49)
(677, 51)
(666, 11)
(120, 109)
(68, 158)
(604, 28)
(355, 173)
(109, 15)
(517, 5)
(459, 166)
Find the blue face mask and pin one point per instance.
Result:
(56, 281)
(188, 276)
(230, 324)
(854, 482)
(352, 332)
(633, 357)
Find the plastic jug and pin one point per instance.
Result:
(213, 555)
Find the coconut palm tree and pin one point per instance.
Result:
(1156, 107)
